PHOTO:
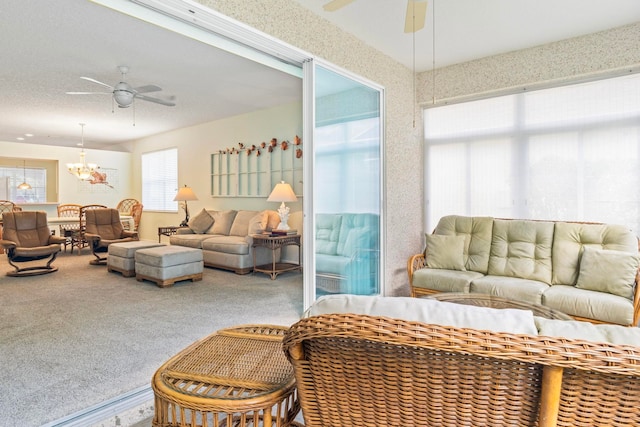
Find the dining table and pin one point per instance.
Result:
(55, 221)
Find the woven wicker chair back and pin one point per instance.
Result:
(358, 370)
(125, 205)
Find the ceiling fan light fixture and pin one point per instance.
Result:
(123, 95)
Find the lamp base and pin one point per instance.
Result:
(283, 212)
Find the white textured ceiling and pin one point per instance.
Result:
(47, 45)
(470, 29)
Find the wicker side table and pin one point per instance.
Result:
(235, 377)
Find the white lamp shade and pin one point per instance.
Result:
(185, 194)
(282, 192)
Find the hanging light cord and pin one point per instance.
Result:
(414, 63)
(433, 57)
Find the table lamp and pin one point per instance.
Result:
(282, 192)
(184, 195)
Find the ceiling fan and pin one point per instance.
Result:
(414, 20)
(124, 94)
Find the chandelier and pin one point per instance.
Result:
(82, 170)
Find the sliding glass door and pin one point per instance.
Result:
(346, 193)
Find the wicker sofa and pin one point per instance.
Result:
(225, 237)
(586, 270)
(363, 361)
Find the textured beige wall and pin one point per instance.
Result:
(615, 50)
(295, 25)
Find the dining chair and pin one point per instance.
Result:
(6, 206)
(78, 240)
(69, 210)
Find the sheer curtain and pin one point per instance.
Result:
(564, 153)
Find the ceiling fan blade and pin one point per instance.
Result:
(156, 100)
(147, 89)
(88, 93)
(336, 4)
(96, 81)
(416, 13)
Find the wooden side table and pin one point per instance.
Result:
(167, 231)
(235, 377)
(273, 243)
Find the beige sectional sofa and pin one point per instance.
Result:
(586, 270)
(225, 237)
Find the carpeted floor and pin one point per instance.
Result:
(81, 336)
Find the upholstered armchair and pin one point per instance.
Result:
(102, 228)
(26, 237)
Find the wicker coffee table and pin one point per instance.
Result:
(235, 377)
(484, 300)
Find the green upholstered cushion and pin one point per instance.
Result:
(571, 237)
(201, 222)
(445, 252)
(608, 271)
(477, 231)
(521, 248)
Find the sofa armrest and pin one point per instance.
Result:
(133, 234)
(184, 230)
(56, 240)
(7, 244)
(92, 237)
(416, 262)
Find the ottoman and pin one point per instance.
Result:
(120, 256)
(166, 265)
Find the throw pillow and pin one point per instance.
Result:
(258, 223)
(223, 221)
(445, 252)
(609, 271)
(200, 223)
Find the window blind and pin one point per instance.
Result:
(564, 153)
(160, 180)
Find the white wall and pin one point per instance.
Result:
(196, 144)
(69, 189)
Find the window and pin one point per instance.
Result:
(564, 153)
(12, 176)
(160, 180)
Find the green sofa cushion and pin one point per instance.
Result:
(445, 252)
(521, 248)
(608, 271)
(477, 232)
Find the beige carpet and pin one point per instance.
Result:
(81, 336)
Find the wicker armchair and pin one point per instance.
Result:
(125, 205)
(360, 370)
(27, 238)
(103, 227)
(136, 213)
